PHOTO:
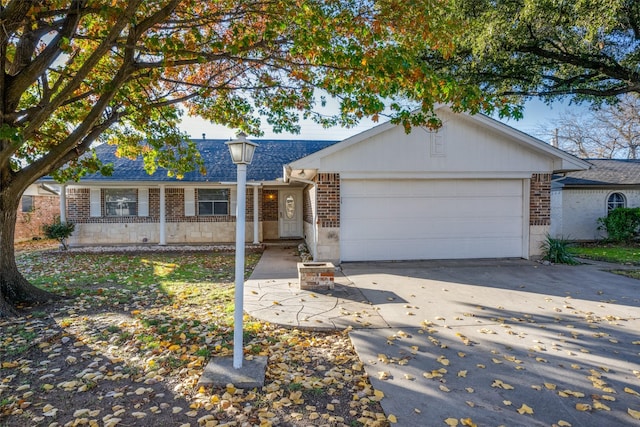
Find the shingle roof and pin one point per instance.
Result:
(605, 172)
(269, 158)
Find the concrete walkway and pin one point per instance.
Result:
(492, 342)
(272, 294)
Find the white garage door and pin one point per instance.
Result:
(431, 219)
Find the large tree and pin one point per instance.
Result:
(585, 50)
(610, 131)
(77, 72)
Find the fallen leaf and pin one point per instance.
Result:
(524, 409)
(631, 391)
(502, 385)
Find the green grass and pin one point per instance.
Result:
(619, 254)
(192, 275)
(634, 274)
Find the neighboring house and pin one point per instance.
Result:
(476, 188)
(579, 198)
(39, 205)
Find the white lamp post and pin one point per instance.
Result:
(241, 154)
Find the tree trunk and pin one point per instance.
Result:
(14, 288)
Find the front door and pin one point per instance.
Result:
(290, 212)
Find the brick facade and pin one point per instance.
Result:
(78, 205)
(328, 199)
(45, 210)
(78, 208)
(540, 199)
(307, 207)
(269, 205)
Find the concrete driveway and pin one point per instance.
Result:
(501, 342)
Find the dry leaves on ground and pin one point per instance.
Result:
(130, 344)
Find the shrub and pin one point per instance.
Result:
(59, 231)
(621, 225)
(557, 251)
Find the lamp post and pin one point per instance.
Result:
(241, 150)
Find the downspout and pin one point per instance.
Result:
(63, 203)
(163, 218)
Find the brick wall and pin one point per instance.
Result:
(78, 205)
(540, 199)
(174, 204)
(29, 224)
(249, 207)
(78, 208)
(328, 199)
(307, 207)
(270, 205)
(154, 202)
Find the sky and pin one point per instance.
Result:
(536, 115)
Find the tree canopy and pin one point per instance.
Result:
(81, 71)
(585, 50)
(77, 72)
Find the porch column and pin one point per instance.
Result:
(256, 216)
(63, 203)
(163, 238)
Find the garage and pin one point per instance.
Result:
(432, 219)
(474, 188)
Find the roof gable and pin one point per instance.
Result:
(471, 143)
(267, 163)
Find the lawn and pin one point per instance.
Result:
(628, 255)
(130, 340)
(608, 252)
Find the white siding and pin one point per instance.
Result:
(461, 148)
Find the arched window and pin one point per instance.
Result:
(616, 200)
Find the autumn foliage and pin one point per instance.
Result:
(80, 72)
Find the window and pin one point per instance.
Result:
(213, 201)
(121, 202)
(616, 200)
(27, 204)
